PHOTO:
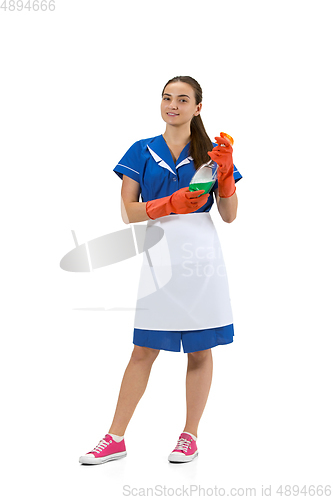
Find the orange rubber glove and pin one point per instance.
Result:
(182, 201)
(222, 155)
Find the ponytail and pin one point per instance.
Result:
(200, 142)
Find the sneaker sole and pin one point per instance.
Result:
(182, 459)
(91, 460)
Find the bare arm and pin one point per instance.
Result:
(227, 207)
(132, 210)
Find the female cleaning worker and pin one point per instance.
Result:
(192, 307)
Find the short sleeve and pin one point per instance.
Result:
(237, 175)
(131, 163)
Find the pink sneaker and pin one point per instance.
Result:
(107, 449)
(186, 449)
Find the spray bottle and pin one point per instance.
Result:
(206, 175)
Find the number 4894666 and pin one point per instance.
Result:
(35, 5)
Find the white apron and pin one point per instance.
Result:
(183, 283)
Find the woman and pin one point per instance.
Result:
(192, 306)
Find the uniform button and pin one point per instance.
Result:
(174, 179)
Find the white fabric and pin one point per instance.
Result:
(116, 438)
(189, 256)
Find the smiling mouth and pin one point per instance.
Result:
(172, 114)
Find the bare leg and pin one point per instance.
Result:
(133, 386)
(198, 382)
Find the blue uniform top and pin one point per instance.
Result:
(149, 162)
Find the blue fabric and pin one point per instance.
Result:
(192, 340)
(149, 162)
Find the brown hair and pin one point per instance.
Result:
(200, 142)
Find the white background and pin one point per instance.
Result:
(78, 86)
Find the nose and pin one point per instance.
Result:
(173, 104)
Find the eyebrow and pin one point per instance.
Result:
(180, 95)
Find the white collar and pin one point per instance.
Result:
(163, 164)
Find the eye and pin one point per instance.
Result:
(165, 98)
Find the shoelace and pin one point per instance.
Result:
(183, 444)
(101, 445)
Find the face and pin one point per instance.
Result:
(178, 104)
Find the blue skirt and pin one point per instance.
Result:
(183, 294)
(191, 340)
